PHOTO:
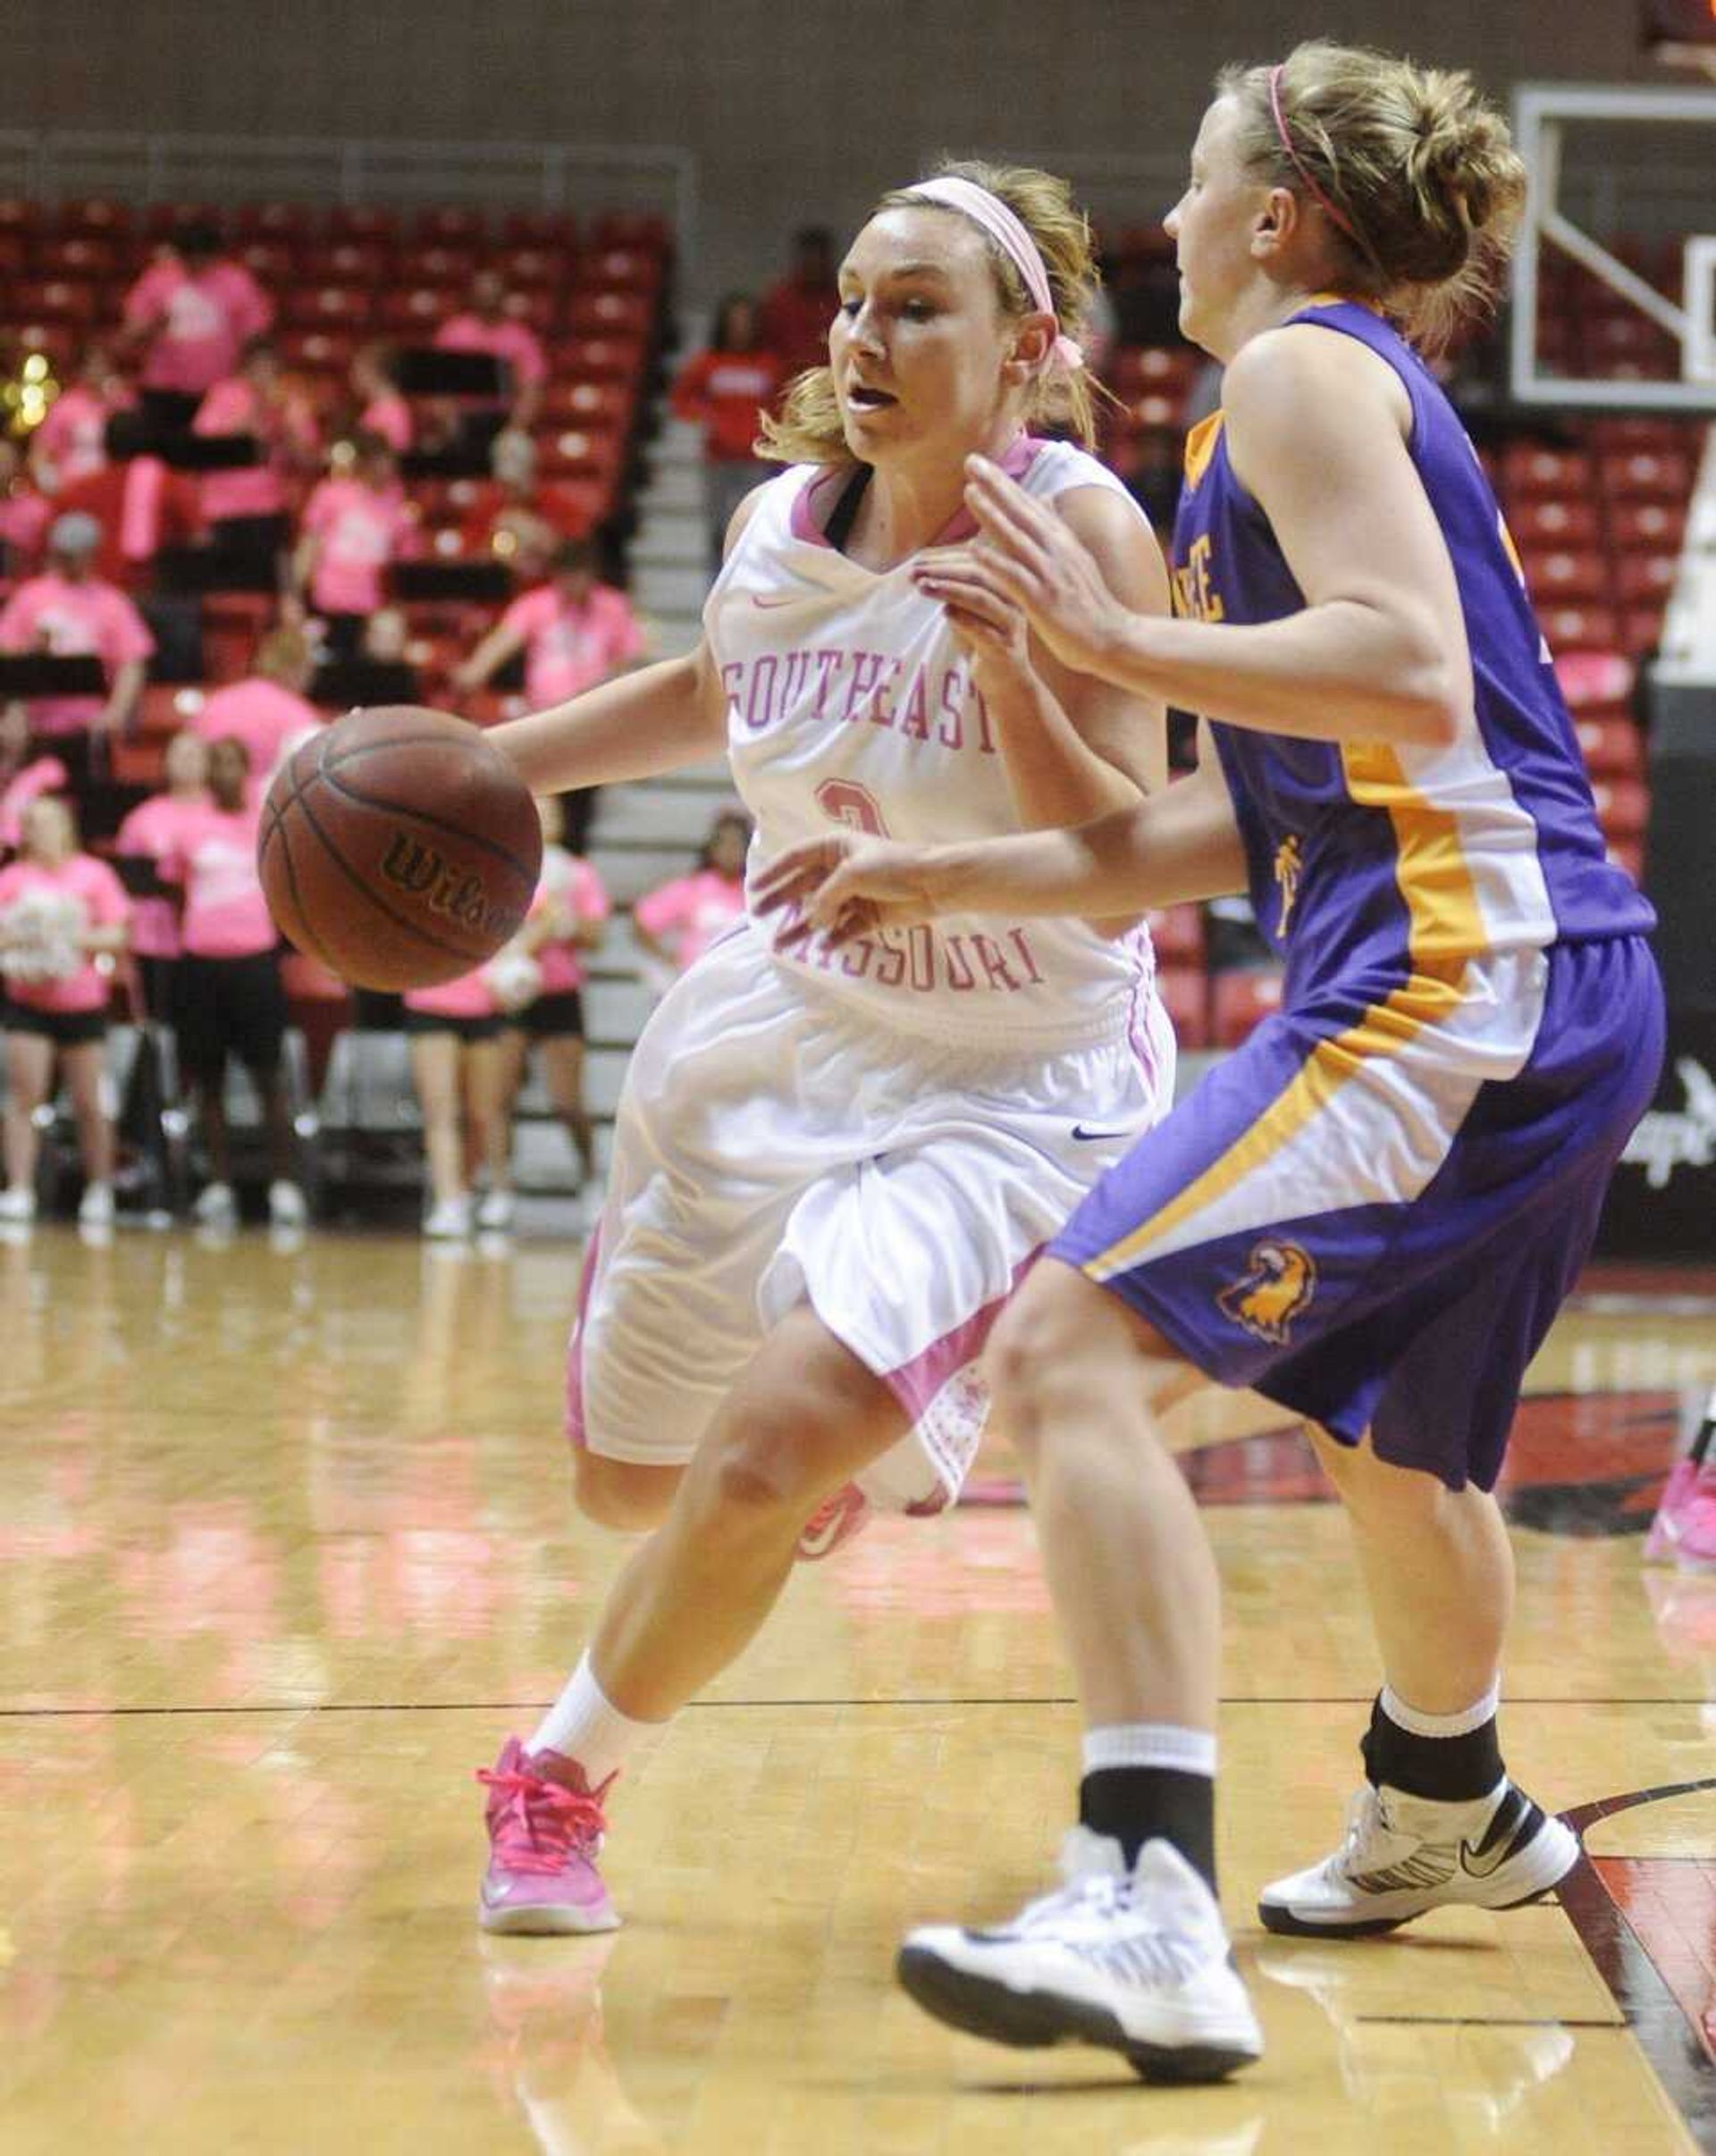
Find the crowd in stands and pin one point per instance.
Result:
(264, 469)
(261, 435)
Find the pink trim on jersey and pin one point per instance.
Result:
(1021, 454)
(574, 1427)
(99, 896)
(915, 1384)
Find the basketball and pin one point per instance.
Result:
(399, 847)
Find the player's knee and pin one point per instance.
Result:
(768, 1469)
(617, 1494)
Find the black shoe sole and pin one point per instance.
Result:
(1286, 1925)
(1033, 2020)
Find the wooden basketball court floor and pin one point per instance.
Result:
(287, 1549)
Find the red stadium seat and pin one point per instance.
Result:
(321, 306)
(1652, 527)
(540, 227)
(166, 709)
(79, 257)
(349, 221)
(1641, 631)
(601, 359)
(530, 269)
(1593, 678)
(1570, 628)
(57, 341)
(53, 299)
(415, 311)
(95, 217)
(1184, 990)
(1239, 1002)
(607, 404)
(318, 352)
(1567, 577)
(1611, 747)
(289, 223)
(1628, 853)
(1552, 521)
(1528, 468)
(1623, 806)
(452, 225)
(347, 262)
(620, 315)
(580, 453)
(1645, 579)
(619, 270)
(437, 264)
(1177, 933)
(646, 229)
(270, 262)
(1663, 475)
(162, 220)
(25, 219)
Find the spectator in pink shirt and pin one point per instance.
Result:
(454, 1033)
(71, 612)
(25, 514)
(147, 837)
(573, 631)
(574, 634)
(267, 712)
(71, 442)
(193, 312)
(539, 979)
(63, 919)
(353, 527)
(248, 508)
(228, 998)
(677, 922)
(22, 775)
(376, 399)
(486, 325)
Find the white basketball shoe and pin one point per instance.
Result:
(1136, 1961)
(1402, 1856)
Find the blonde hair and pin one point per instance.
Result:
(1423, 171)
(807, 429)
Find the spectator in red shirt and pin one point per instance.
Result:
(70, 612)
(487, 325)
(797, 311)
(725, 389)
(193, 312)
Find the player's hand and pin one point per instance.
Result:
(850, 886)
(988, 624)
(1032, 559)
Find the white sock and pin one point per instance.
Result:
(1417, 1724)
(584, 1725)
(1149, 1744)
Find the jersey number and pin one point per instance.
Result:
(845, 801)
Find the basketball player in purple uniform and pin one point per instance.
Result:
(1371, 1212)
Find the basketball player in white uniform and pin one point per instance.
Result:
(831, 1168)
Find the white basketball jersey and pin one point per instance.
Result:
(849, 702)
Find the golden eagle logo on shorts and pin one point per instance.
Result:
(1280, 1283)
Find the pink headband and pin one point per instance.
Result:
(1328, 209)
(1010, 235)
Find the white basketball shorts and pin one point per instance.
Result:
(772, 1148)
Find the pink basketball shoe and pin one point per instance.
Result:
(1684, 1530)
(545, 1829)
(834, 1520)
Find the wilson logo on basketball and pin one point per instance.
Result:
(458, 894)
(1280, 1283)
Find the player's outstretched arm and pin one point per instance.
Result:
(1317, 432)
(1183, 844)
(656, 719)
